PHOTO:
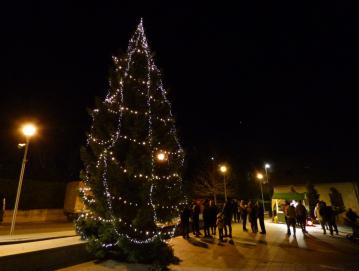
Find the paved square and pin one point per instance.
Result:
(248, 251)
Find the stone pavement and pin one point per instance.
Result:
(248, 251)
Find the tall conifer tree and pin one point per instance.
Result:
(133, 162)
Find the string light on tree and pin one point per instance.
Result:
(162, 156)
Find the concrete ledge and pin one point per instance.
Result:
(36, 215)
(32, 237)
(44, 257)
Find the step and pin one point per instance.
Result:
(23, 238)
(43, 255)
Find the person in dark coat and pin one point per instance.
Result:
(235, 211)
(290, 218)
(323, 214)
(331, 220)
(195, 218)
(2, 207)
(285, 211)
(252, 215)
(320, 215)
(213, 216)
(243, 213)
(260, 216)
(185, 216)
(227, 218)
(352, 218)
(220, 225)
(301, 215)
(206, 219)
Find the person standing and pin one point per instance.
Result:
(243, 213)
(260, 216)
(206, 218)
(227, 218)
(213, 216)
(235, 211)
(331, 220)
(285, 211)
(2, 207)
(252, 216)
(195, 218)
(352, 217)
(320, 215)
(220, 225)
(185, 215)
(290, 215)
(301, 214)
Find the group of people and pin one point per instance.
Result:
(221, 218)
(295, 215)
(323, 213)
(326, 217)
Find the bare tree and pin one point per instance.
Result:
(208, 183)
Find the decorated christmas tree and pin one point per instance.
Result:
(132, 164)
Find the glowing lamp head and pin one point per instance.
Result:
(267, 165)
(21, 145)
(223, 169)
(29, 130)
(259, 176)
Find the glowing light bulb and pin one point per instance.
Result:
(223, 169)
(161, 156)
(259, 176)
(29, 129)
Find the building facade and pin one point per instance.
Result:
(336, 194)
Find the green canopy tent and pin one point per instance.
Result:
(289, 196)
(282, 196)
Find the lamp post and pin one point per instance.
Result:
(266, 167)
(28, 131)
(223, 170)
(260, 178)
(213, 180)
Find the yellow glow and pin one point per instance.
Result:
(161, 156)
(259, 176)
(223, 169)
(29, 129)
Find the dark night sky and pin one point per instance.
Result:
(249, 83)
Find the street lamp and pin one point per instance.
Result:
(28, 131)
(223, 169)
(260, 178)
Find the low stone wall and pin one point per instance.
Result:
(36, 215)
(46, 259)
